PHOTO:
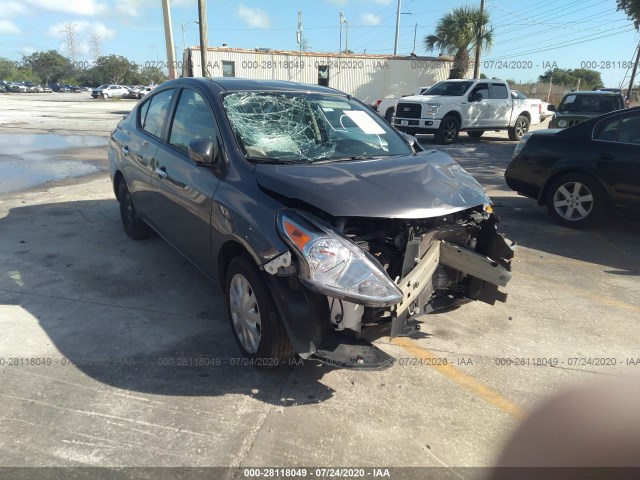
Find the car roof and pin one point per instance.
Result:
(604, 93)
(235, 84)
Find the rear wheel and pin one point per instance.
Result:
(519, 129)
(133, 225)
(255, 322)
(475, 133)
(576, 200)
(448, 131)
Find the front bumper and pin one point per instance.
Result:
(423, 124)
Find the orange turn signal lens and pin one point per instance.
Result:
(297, 236)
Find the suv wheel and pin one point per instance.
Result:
(255, 322)
(575, 200)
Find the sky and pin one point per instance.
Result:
(530, 36)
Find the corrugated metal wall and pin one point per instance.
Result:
(364, 76)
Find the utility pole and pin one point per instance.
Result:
(341, 22)
(168, 37)
(550, 84)
(202, 16)
(299, 32)
(633, 75)
(395, 45)
(415, 32)
(476, 66)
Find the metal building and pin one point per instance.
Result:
(366, 77)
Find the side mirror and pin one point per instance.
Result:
(203, 151)
(551, 108)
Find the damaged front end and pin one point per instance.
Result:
(378, 274)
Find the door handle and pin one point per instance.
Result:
(162, 172)
(125, 150)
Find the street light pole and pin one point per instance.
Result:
(184, 43)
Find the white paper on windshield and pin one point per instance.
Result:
(569, 99)
(365, 122)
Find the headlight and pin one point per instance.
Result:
(432, 108)
(332, 265)
(562, 123)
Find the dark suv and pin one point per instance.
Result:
(316, 217)
(576, 107)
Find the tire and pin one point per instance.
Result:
(389, 114)
(133, 225)
(576, 200)
(448, 131)
(475, 133)
(254, 319)
(519, 129)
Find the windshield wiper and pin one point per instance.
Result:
(354, 157)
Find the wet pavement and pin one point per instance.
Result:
(28, 160)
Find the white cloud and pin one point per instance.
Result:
(12, 9)
(383, 2)
(253, 17)
(371, 19)
(79, 7)
(340, 3)
(7, 27)
(26, 51)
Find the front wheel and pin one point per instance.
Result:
(519, 129)
(448, 131)
(389, 114)
(575, 200)
(255, 322)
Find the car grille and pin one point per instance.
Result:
(408, 110)
(573, 122)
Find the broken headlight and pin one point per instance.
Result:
(332, 265)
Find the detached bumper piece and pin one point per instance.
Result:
(345, 352)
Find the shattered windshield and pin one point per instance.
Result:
(304, 128)
(450, 89)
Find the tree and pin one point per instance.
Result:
(112, 69)
(456, 34)
(152, 75)
(632, 9)
(589, 79)
(50, 66)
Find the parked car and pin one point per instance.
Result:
(576, 107)
(109, 91)
(46, 89)
(17, 88)
(582, 171)
(316, 217)
(475, 106)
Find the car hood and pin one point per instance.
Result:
(431, 98)
(428, 184)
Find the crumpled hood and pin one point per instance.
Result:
(429, 184)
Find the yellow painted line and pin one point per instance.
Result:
(610, 302)
(473, 385)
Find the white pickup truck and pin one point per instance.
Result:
(386, 107)
(473, 106)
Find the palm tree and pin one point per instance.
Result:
(456, 34)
